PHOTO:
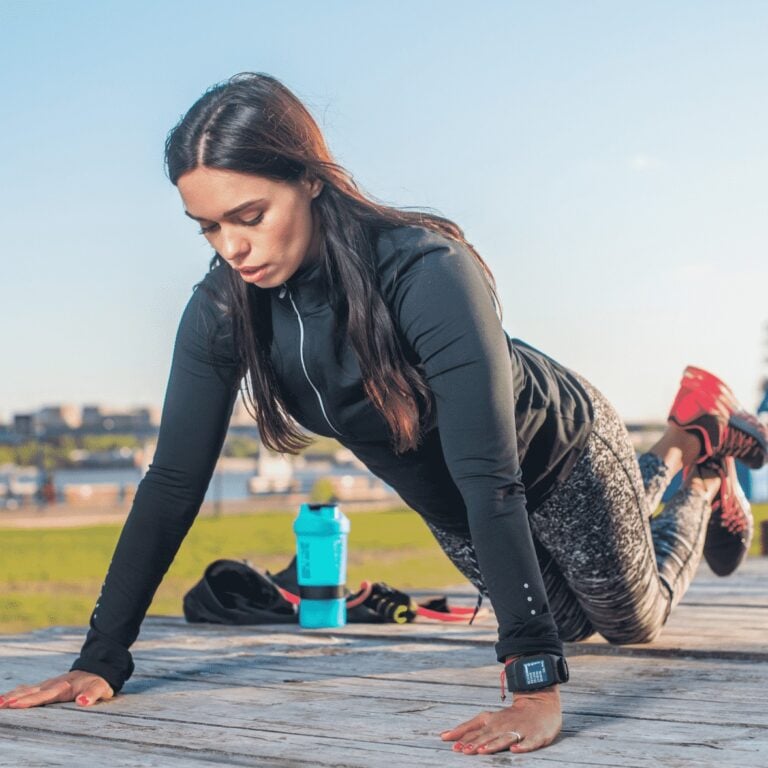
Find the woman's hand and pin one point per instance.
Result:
(533, 715)
(85, 688)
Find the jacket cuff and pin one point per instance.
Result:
(523, 645)
(105, 657)
(537, 635)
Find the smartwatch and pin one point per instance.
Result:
(529, 673)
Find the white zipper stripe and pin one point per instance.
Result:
(303, 364)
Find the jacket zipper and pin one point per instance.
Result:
(301, 354)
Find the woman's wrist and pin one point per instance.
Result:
(550, 690)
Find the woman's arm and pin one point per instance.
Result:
(444, 309)
(198, 404)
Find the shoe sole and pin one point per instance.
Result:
(725, 550)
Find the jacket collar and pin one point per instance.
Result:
(307, 286)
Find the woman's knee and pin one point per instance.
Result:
(644, 632)
(573, 625)
(576, 633)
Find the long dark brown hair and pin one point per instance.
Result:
(252, 123)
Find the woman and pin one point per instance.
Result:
(380, 327)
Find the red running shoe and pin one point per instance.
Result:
(706, 407)
(731, 526)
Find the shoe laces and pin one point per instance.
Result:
(730, 512)
(737, 443)
(733, 519)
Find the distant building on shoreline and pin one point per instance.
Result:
(59, 419)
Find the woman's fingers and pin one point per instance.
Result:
(473, 741)
(470, 737)
(488, 740)
(29, 695)
(98, 691)
(17, 693)
(532, 742)
(19, 689)
(38, 695)
(84, 688)
(467, 732)
(89, 689)
(477, 722)
(499, 742)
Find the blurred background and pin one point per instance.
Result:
(608, 160)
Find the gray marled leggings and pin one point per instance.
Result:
(608, 566)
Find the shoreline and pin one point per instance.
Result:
(63, 515)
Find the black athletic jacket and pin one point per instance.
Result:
(508, 422)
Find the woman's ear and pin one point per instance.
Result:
(314, 185)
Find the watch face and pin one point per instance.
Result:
(535, 672)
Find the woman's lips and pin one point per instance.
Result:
(254, 272)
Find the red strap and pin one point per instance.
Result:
(289, 596)
(439, 615)
(456, 613)
(503, 683)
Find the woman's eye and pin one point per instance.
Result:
(249, 223)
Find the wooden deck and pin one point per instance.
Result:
(379, 696)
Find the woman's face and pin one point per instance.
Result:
(253, 221)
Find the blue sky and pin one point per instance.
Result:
(608, 160)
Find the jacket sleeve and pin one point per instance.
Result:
(200, 395)
(444, 309)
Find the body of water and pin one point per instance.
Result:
(231, 485)
(226, 485)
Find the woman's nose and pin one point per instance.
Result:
(233, 245)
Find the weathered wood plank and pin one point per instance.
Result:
(736, 630)
(725, 694)
(369, 695)
(634, 692)
(261, 721)
(22, 749)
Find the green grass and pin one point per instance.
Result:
(53, 576)
(760, 513)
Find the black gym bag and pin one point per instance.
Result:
(233, 592)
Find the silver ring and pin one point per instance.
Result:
(519, 737)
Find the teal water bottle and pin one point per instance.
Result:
(321, 564)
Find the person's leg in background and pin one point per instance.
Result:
(705, 408)
(676, 530)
